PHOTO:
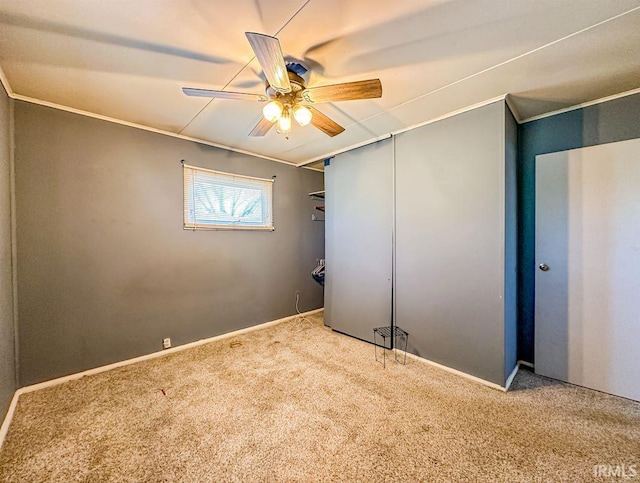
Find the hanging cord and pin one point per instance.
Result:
(300, 323)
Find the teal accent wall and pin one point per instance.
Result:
(510, 242)
(608, 122)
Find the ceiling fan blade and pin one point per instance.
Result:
(269, 54)
(367, 89)
(324, 123)
(223, 94)
(261, 128)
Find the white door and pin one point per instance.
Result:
(587, 309)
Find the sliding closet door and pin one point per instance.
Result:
(450, 241)
(358, 235)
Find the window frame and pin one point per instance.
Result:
(232, 178)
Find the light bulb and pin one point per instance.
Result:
(272, 111)
(302, 115)
(284, 123)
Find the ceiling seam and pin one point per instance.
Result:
(602, 22)
(243, 68)
(537, 49)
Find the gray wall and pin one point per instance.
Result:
(105, 269)
(450, 241)
(7, 354)
(609, 122)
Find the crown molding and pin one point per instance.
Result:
(5, 84)
(404, 129)
(581, 106)
(101, 117)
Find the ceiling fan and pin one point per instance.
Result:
(286, 94)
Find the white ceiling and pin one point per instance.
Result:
(129, 59)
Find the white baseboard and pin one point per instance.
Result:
(479, 380)
(526, 364)
(511, 377)
(4, 429)
(96, 370)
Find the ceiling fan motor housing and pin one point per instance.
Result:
(289, 98)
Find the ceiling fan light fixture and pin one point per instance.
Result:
(272, 111)
(286, 86)
(302, 115)
(284, 123)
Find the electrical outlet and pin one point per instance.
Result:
(166, 343)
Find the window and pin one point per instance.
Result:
(215, 200)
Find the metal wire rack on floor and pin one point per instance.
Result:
(392, 333)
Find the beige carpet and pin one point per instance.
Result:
(311, 405)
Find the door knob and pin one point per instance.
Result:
(544, 267)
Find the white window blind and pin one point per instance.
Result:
(216, 200)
